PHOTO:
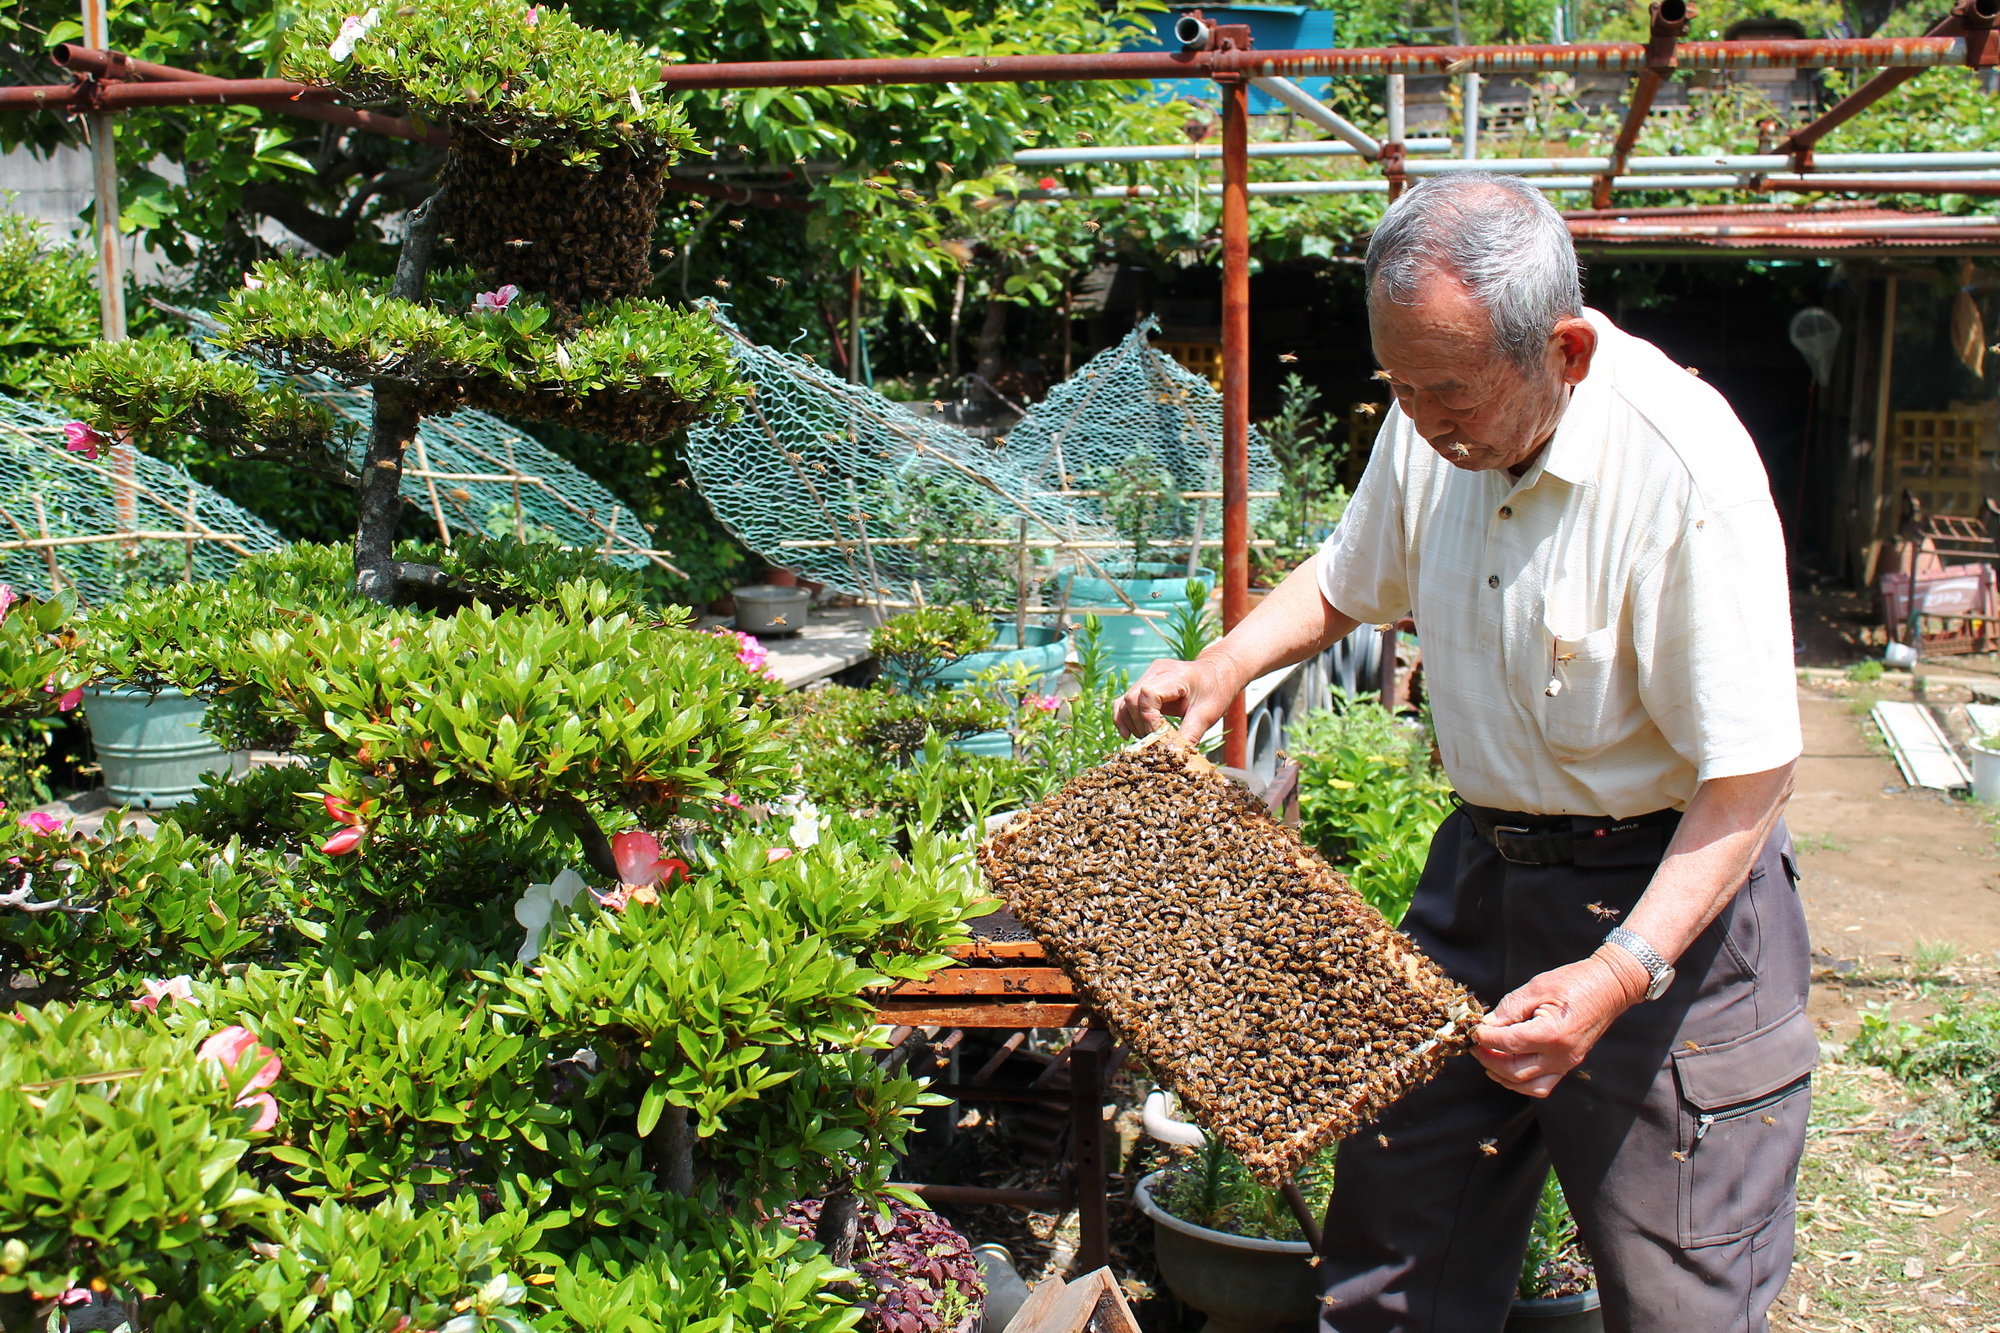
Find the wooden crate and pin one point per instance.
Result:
(1204, 359)
(1935, 456)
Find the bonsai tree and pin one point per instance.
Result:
(1143, 502)
(560, 141)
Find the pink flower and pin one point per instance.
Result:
(533, 16)
(338, 812)
(74, 1296)
(639, 861)
(773, 855)
(7, 599)
(37, 821)
(496, 300)
(267, 1114)
(732, 800)
(81, 439)
(1046, 183)
(173, 988)
(70, 699)
(1047, 703)
(341, 843)
(227, 1050)
(252, 283)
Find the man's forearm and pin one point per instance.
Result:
(1719, 838)
(1289, 626)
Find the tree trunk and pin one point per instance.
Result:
(839, 1224)
(992, 333)
(674, 1164)
(394, 426)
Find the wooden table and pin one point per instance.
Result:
(1010, 984)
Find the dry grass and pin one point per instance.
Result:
(1897, 1229)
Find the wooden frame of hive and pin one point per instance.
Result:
(1280, 1007)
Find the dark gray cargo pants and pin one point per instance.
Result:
(1678, 1152)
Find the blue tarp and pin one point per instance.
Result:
(1272, 28)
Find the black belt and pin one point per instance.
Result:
(1547, 840)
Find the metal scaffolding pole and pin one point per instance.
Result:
(1235, 390)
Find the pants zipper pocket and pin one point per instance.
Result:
(1706, 1120)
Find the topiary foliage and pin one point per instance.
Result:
(561, 135)
(153, 391)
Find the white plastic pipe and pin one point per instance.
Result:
(1470, 115)
(1203, 152)
(1746, 162)
(1324, 116)
(1161, 1125)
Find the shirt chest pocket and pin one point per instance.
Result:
(1583, 701)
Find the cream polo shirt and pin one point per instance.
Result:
(1609, 630)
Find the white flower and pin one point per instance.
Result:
(805, 825)
(537, 905)
(352, 29)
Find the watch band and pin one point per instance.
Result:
(1645, 955)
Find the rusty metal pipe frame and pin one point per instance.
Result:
(112, 68)
(1670, 23)
(1583, 58)
(1970, 21)
(1235, 390)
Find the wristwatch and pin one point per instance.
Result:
(1657, 968)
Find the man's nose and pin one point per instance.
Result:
(1432, 421)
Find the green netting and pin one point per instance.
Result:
(472, 472)
(1133, 402)
(827, 477)
(97, 528)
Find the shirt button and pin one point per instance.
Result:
(1506, 511)
(1492, 580)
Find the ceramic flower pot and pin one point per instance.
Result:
(151, 748)
(1133, 643)
(766, 610)
(1557, 1314)
(1242, 1284)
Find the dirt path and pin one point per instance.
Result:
(1896, 1223)
(1887, 868)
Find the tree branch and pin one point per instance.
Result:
(394, 426)
(596, 847)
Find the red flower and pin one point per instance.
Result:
(341, 843)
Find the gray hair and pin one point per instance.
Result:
(1495, 234)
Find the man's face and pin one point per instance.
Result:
(1475, 406)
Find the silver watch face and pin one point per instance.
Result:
(1660, 984)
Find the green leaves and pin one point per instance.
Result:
(38, 654)
(157, 389)
(122, 1158)
(1369, 797)
(526, 75)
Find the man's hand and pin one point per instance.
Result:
(1543, 1030)
(1197, 692)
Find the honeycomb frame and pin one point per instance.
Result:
(1276, 1047)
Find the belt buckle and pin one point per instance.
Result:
(1501, 847)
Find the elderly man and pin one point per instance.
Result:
(1586, 538)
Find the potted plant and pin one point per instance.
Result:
(1227, 1245)
(921, 1274)
(947, 646)
(1143, 501)
(1558, 1290)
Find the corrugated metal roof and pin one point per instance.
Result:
(1775, 228)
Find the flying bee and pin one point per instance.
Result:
(778, 282)
(1489, 1148)
(722, 283)
(1288, 357)
(777, 620)
(736, 223)
(1768, 1119)
(1460, 451)
(1603, 913)
(666, 252)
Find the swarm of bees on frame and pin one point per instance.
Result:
(637, 415)
(1276, 1003)
(572, 233)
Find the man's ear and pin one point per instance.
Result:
(1575, 340)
